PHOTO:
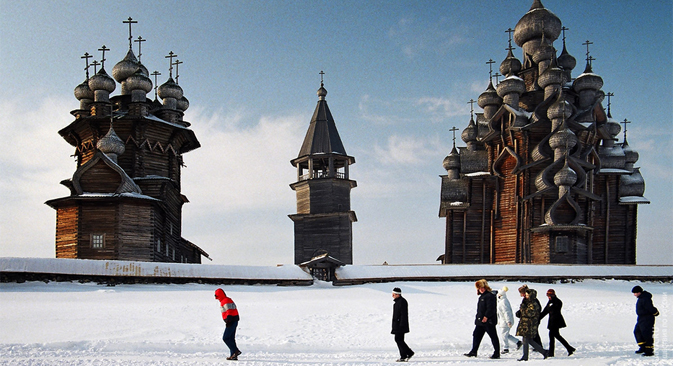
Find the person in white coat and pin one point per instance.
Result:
(505, 320)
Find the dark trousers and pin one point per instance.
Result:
(478, 334)
(229, 337)
(644, 332)
(536, 346)
(405, 351)
(553, 335)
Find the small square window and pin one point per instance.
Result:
(562, 244)
(97, 241)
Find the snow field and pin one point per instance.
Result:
(88, 324)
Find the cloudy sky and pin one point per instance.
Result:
(398, 74)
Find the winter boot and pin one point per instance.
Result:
(495, 355)
(518, 345)
(505, 351)
(571, 350)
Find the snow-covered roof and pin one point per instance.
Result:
(151, 269)
(633, 200)
(468, 271)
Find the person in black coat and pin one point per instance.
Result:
(401, 324)
(555, 322)
(644, 330)
(485, 320)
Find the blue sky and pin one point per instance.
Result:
(398, 74)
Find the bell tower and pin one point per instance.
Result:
(323, 222)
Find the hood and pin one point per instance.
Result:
(645, 295)
(219, 294)
(532, 294)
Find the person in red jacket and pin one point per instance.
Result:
(230, 317)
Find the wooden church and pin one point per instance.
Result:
(543, 177)
(125, 200)
(323, 234)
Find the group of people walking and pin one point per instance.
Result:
(494, 316)
(494, 311)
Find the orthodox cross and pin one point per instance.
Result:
(322, 73)
(130, 21)
(587, 43)
(471, 103)
(102, 62)
(177, 70)
(140, 41)
(609, 94)
(496, 77)
(625, 122)
(95, 64)
(564, 29)
(589, 59)
(86, 58)
(170, 69)
(490, 63)
(454, 129)
(510, 31)
(155, 74)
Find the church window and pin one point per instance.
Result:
(97, 241)
(562, 244)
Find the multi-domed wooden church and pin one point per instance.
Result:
(543, 178)
(125, 200)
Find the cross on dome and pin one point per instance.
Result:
(454, 129)
(140, 41)
(609, 94)
(155, 74)
(102, 62)
(170, 69)
(86, 58)
(130, 21)
(490, 63)
(177, 70)
(625, 122)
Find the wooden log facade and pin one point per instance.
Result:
(125, 199)
(543, 177)
(324, 219)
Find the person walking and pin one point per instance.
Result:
(529, 312)
(522, 293)
(555, 322)
(230, 317)
(401, 324)
(505, 320)
(485, 320)
(644, 330)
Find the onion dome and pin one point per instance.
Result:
(322, 92)
(470, 132)
(489, 97)
(170, 89)
(632, 184)
(138, 81)
(83, 92)
(182, 104)
(561, 109)
(631, 155)
(562, 138)
(510, 65)
(452, 164)
(588, 81)
(127, 67)
(102, 85)
(566, 60)
(565, 176)
(613, 127)
(511, 84)
(544, 52)
(536, 22)
(111, 143)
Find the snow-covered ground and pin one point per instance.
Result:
(89, 324)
